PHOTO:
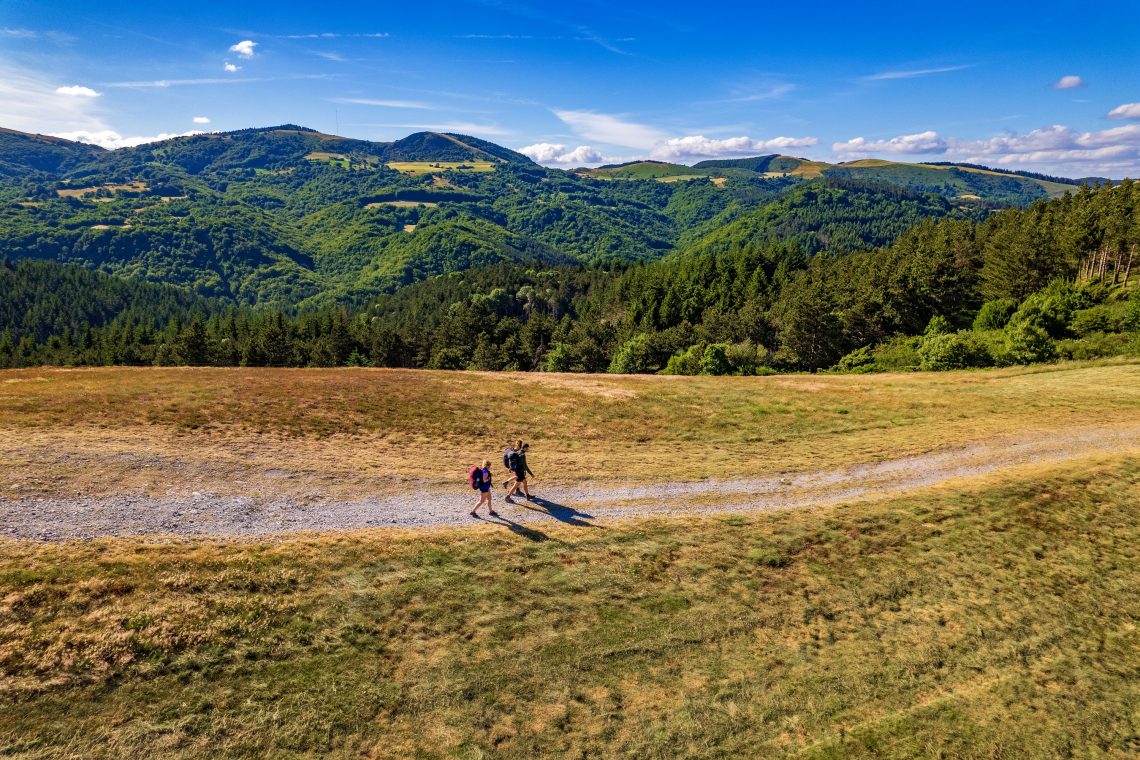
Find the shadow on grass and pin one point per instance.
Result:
(559, 512)
(529, 534)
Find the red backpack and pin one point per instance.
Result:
(475, 476)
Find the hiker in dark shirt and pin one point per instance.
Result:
(521, 471)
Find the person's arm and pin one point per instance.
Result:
(528, 470)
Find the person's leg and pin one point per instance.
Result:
(525, 488)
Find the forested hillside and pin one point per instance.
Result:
(1051, 280)
(289, 217)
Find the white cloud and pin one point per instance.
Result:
(201, 119)
(923, 142)
(77, 91)
(19, 34)
(244, 48)
(912, 73)
(231, 68)
(557, 154)
(611, 129)
(385, 103)
(1068, 83)
(699, 146)
(1125, 111)
(31, 103)
(1058, 145)
(111, 139)
(1056, 149)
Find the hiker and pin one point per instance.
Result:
(481, 480)
(511, 462)
(521, 471)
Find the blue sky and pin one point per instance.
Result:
(1046, 86)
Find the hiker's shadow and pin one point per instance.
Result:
(518, 529)
(560, 512)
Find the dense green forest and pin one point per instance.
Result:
(287, 217)
(1020, 285)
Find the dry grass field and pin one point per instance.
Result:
(352, 432)
(997, 621)
(996, 618)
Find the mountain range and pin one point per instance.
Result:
(287, 215)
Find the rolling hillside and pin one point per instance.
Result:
(290, 216)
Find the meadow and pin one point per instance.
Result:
(997, 620)
(990, 618)
(351, 432)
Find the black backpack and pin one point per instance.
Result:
(511, 459)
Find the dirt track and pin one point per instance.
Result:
(195, 513)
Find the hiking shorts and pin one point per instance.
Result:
(520, 476)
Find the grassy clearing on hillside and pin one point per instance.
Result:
(999, 621)
(430, 167)
(353, 432)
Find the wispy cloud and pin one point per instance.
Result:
(385, 103)
(1069, 82)
(771, 92)
(329, 56)
(31, 103)
(912, 73)
(332, 35)
(163, 83)
(611, 130)
(461, 127)
(498, 37)
(244, 49)
(60, 38)
(201, 119)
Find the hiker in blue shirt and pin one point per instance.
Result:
(481, 480)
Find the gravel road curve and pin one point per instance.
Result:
(51, 518)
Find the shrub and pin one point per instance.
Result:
(1029, 343)
(714, 361)
(938, 325)
(558, 359)
(1099, 346)
(746, 358)
(953, 351)
(1132, 315)
(687, 362)
(994, 315)
(858, 361)
(637, 356)
(898, 354)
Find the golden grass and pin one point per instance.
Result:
(366, 431)
(136, 186)
(430, 167)
(997, 621)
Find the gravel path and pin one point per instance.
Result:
(204, 514)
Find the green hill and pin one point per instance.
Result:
(287, 215)
(21, 153)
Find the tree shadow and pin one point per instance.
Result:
(559, 512)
